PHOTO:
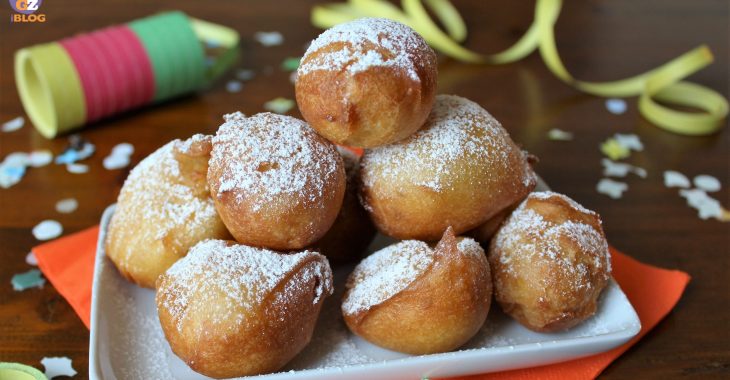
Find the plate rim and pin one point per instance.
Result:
(614, 339)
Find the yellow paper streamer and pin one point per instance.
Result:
(662, 84)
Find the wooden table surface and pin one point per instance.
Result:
(599, 40)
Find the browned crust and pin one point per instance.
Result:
(526, 297)
(374, 107)
(440, 311)
(277, 330)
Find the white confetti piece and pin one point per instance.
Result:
(47, 229)
(123, 149)
(58, 366)
(245, 74)
(14, 124)
(30, 259)
(620, 169)
(39, 158)
(675, 179)
(269, 38)
(77, 168)
(707, 183)
(119, 157)
(115, 162)
(613, 189)
(234, 86)
(706, 206)
(293, 77)
(559, 135)
(67, 206)
(616, 106)
(629, 141)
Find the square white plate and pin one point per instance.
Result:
(127, 341)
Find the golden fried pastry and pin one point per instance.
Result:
(230, 310)
(164, 208)
(459, 170)
(411, 298)
(367, 82)
(550, 262)
(274, 181)
(353, 230)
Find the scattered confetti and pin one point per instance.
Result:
(629, 141)
(58, 366)
(14, 124)
(614, 150)
(67, 206)
(78, 149)
(125, 149)
(39, 158)
(707, 183)
(234, 86)
(291, 63)
(11, 170)
(269, 38)
(279, 105)
(27, 280)
(613, 189)
(706, 206)
(30, 259)
(675, 179)
(119, 157)
(559, 135)
(245, 74)
(47, 229)
(620, 169)
(616, 106)
(77, 168)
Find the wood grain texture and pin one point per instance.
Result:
(599, 40)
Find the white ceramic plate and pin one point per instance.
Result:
(127, 341)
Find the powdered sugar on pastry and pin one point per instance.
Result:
(364, 43)
(544, 235)
(456, 130)
(385, 273)
(270, 155)
(243, 274)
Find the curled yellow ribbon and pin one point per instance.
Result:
(662, 84)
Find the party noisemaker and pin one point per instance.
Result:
(78, 80)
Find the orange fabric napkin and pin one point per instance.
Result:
(68, 263)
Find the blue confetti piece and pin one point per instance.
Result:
(68, 157)
(27, 280)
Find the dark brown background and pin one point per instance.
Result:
(599, 40)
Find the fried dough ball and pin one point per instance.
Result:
(230, 310)
(367, 82)
(459, 170)
(484, 233)
(353, 230)
(550, 262)
(411, 298)
(164, 208)
(275, 182)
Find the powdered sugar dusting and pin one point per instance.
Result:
(457, 130)
(364, 43)
(527, 236)
(385, 273)
(158, 192)
(270, 155)
(469, 246)
(244, 275)
(550, 194)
